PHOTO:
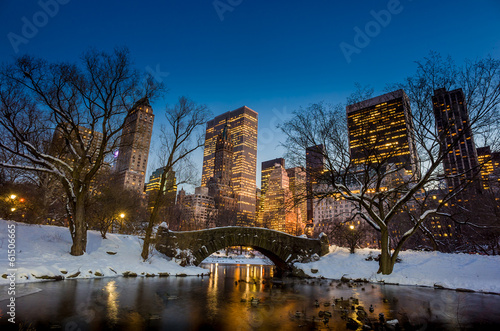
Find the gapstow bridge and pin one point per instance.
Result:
(192, 247)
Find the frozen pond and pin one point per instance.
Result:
(223, 301)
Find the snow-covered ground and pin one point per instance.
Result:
(44, 251)
(454, 271)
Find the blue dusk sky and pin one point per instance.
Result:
(272, 56)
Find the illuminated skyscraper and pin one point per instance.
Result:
(297, 186)
(381, 131)
(132, 160)
(169, 189)
(315, 165)
(453, 125)
(489, 163)
(278, 210)
(220, 186)
(243, 123)
(266, 169)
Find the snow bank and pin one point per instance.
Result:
(454, 271)
(43, 250)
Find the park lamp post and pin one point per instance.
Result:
(122, 217)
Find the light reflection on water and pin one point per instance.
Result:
(223, 302)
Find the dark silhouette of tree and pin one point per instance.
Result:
(380, 189)
(65, 119)
(179, 139)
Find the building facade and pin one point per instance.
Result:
(169, 189)
(200, 209)
(243, 123)
(381, 131)
(452, 121)
(278, 212)
(315, 166)
(220, 186)
(489, 163)
(132, 159)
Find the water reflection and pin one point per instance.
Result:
(223, 301)
(112, 302)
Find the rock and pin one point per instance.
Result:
(111, 253)
(98, 274)
(163, 274)
(129, 274)
(74, 275)
(314, 271)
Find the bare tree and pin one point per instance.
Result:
(179, 139)
(379, 187)
(82, 106)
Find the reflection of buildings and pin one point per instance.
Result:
(133, 153)
(381, 131)
(243, 125)
(169, 188)
(452, 121)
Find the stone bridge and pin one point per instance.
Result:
(192, 247)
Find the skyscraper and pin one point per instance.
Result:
(297, 186)
(381, 131)
(169, 189)
(454, 130)
(489, 163)
(278, 212)
(132, 160)
(266, 169)
(220, 186)
(243, 124)
(315, 165)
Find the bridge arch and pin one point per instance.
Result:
(192, 247)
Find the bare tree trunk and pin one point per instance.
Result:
(80, 227)
(385, 264)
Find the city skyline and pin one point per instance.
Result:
(292, 58)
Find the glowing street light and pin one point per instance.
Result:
(122, 215)
(351, 227)
(13, 196)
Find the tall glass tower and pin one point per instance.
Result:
(243, 123)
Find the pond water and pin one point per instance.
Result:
(223, 301)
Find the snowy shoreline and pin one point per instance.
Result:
(44, 251)
(462, 272)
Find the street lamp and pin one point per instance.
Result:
(351, 227)
(13, 196)
(122, 215)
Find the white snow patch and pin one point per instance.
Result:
(466, 271)
(43, 250)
